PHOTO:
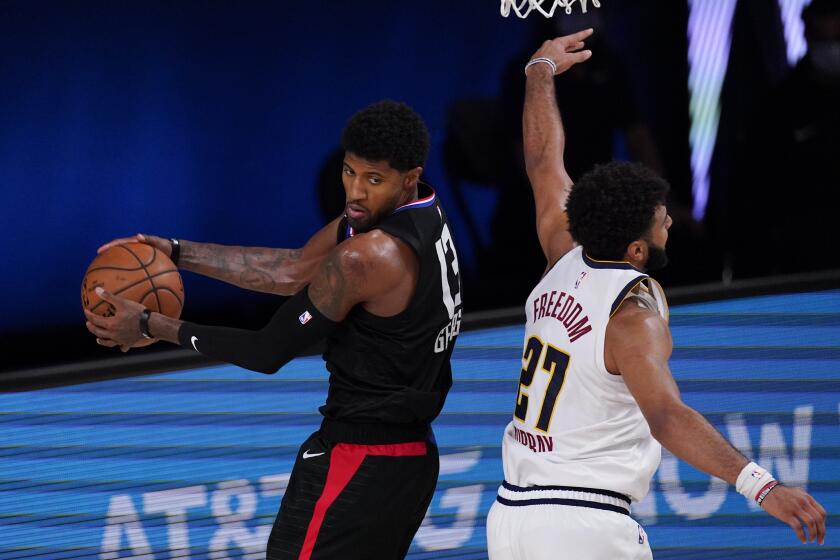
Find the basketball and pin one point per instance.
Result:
(137, 272)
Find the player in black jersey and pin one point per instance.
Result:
(381, 285)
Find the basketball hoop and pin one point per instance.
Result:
(525, 7)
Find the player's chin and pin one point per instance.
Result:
(360, 225)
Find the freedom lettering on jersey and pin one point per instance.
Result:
(565, 310)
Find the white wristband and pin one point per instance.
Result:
(752, 481)
(542, 60)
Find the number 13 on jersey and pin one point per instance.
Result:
(554, 362)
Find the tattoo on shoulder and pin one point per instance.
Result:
(334, 290)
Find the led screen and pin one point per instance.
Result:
(192, 464)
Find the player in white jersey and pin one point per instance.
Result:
(596, 398)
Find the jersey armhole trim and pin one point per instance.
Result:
(622, 295)
(659, 294)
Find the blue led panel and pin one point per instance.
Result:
(193, 464)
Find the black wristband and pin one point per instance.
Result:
(144, 323)
(175, 250)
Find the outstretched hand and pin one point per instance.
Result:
(798, 509)
(158, 243)
(565, 51)
(120, 329)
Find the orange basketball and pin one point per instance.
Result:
(134, 271)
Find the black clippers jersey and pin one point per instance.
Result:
(396, 369)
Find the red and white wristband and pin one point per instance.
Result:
(755, 483)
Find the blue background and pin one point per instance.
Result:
(212, 121)
(206, 120)
(77, 460)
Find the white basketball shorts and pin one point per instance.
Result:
(547, 523)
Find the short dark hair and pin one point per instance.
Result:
(388, 131)
(612, 206)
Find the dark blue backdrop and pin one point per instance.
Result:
(206, 120)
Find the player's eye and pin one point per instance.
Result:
(375, 180)
(348, 171)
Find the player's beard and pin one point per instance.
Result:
(372, 218)
(359, 227)
(657, 258)
(365, 224)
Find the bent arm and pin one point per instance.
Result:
(296, 326)
(639, 345)
(275, 271)
(350, 274)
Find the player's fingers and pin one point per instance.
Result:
(819, 521)
(97, 320)
(106, 342)
(108, 296)
(108, 245)
(817, 505)
(120, 241)
(813, 516)
(810, 523)
(579, 36)
(580, 56)
(99, 332)
(797, 526)
(575, 46)
(150, 240)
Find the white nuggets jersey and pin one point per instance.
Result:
(574, 423)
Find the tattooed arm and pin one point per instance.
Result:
(275, 271)
(261, 269)
(372, 269)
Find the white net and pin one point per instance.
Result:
(525, 7)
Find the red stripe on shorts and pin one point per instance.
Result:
(345, 460)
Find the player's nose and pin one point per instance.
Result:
(355, 190)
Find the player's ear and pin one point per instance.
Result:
(637, 253)
(412, 176)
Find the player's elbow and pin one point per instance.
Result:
(268, 368)
(665, 420)
(289, 282)
(268, 355)
(288, 288)
(658, 428)
(273, 360)
(272, 364)
(293, 277)
(541, 169)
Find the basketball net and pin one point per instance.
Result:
(525, 7)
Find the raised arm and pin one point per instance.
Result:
(637, 346)
(261, 269)
(544, 140)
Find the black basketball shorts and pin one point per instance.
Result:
(350, 500)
